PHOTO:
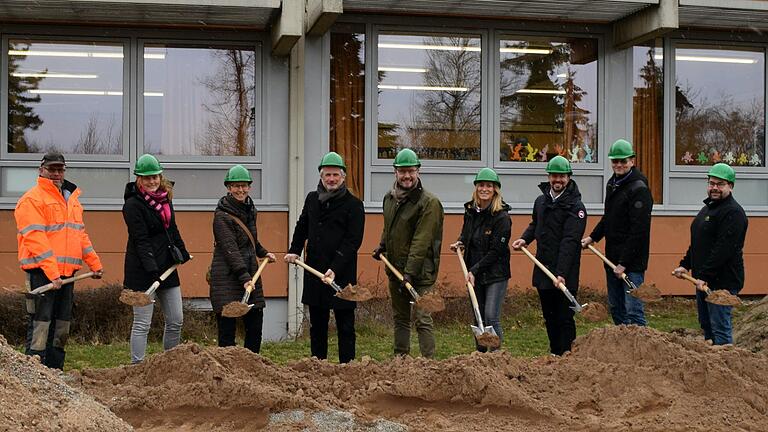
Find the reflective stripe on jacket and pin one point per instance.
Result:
(51, 233)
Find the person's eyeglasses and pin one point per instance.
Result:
(719, 185)
(403, 171)
(55, 170)
(619, 161)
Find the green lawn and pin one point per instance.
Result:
(525, 336)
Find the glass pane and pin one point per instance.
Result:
(347, 126)
(719, 105)
(65, 96)
(199, 101)
(429, 96)
(548, 99)
(648, 114)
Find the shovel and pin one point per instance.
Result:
(49, 286)
(591, 312)
(238, 309)
(135, 298)
(718, 297)
(347, 293)
(427, 303)
(485, 335)
(644, 292)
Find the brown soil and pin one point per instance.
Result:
(648, 293)
(489, 340)
(594, 312)
(235, 309)
(35, 398)
(618, 378)
(431, 302)
(723, 298)
(751, 327)
(134, 298)
(355, 293)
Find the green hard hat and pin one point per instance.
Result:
(406, 158)
(238, 173)
(722, 171)
(147, 165)
(621, 149)
(487, 175)
(332, 159)
(559, 165)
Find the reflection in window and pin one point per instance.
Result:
(347, 128)
(65, 96)
(719, 106)
(429, 96)
(548, 99)
(199, 100)
(648, 114)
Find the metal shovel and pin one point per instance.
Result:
(576, 306)
(482, 332)
(347, 293)
(646, 295)
(238, 309)
(134, 298)
(435, 305)
(724, 299)
(49, 286)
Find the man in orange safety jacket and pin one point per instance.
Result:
(52, 246)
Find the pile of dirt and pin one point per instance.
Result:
(35, 398)
(751, 327)
(617, 378)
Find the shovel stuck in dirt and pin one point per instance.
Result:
(349, 292)
(646, 293)
(485, 335)
(430, 302)
(590, 311)
(138, 298)
(238, 309)
(719, 297)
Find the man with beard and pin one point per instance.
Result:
(558, 223)
(626, 226)
(331, 224)
(413, 233)
(715, 255)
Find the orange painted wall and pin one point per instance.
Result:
(669, 240)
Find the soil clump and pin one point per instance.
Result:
(648, 293)
(488, 340)
(594, 312)
(235, 309)
(618, 378)
(355, 293)
(134, 298)
(751, 328)
(431, 302)
(723, 298)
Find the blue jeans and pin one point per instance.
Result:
(715, 320)
(170, 301)
(490, 298)
(625, 309)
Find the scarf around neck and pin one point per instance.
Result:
(158, 200)
(324, 195)
(400, 193)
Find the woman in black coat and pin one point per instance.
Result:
(154, 245)
(485, 239)
(234, 260)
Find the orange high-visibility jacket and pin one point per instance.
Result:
(51, 232)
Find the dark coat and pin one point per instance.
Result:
(626, 223)
(716, 253)
(333, 232)
(486, 243)
(557, 226)
(234, 259)
(147, 254)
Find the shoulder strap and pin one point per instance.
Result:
(245, 228)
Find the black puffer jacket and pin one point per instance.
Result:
(333, 232)
(557, 226)
(147, 254)
(486, 243)
(626, 223)
(234, 259)
(716, 253)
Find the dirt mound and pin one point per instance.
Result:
(33, 397)
(751, 328)
(617, 378)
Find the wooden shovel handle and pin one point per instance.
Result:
(471, 289)
(693, 280)
(543, 268)
(399, 275)
(255, 277)
(306, 267)
(605, 259)
(49, 286)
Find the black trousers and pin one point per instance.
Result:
(345, 328)
(252, 322)
(50, 315)
(558, 317)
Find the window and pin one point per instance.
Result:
(66, 96)
(429, 95)
(648, 114)
(347, 119)
(548, 97)
(199, 100)
(719, 105)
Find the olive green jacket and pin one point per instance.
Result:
(413, 233)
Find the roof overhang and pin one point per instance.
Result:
(741, 15)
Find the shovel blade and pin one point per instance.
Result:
(235, 309)
(487, 338)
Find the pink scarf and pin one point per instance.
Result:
(158, 200)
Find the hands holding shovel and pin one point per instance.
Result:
(349, 292)
(719, 297)
(238, 309)
(134, 298)
(486, 335)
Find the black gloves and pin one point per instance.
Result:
(377, 252)
(407, 279)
